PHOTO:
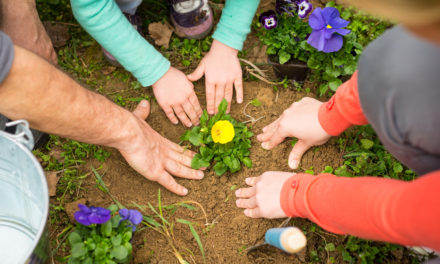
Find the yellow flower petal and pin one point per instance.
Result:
(222, 132)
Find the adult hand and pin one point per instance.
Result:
(300, 120)
(22, 24)
(262, 199)
(155, 157)
(222, 71)
(175, 94)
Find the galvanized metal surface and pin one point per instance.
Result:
(24, 200)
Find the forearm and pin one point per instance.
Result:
(52, 102)
(235, 22)
(370, 207)
(106, 23)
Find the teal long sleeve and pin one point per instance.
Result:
(104, 21)
(235, 22)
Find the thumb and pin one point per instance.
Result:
(197, 73)
(297, 152)
(142, 110)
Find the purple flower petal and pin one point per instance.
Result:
(316, 21)
(82, 218)
(304, 8)
(268, 19)
(102, 211)
(332, 18)
(317, 39)
(135, 217)
(84, 208)
(124, 213)
(333, 44)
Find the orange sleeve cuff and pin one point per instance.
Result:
(343, 109)
(294, 197)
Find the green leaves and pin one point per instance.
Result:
(227, 157)
(284, 56)
(102, 243)
(119, 252)
(78, 250)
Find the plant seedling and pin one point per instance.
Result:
(222, 139)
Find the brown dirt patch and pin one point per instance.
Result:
(232, 232)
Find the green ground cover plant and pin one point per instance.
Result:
(222, 139)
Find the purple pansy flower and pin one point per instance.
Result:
(269, 19)
(134, 216)
(304, 8)
(286, 6)
(91, 215)
(327, 29)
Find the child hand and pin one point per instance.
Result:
(175, 94)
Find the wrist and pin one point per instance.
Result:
(219, 47)
(126, 132)
(294, 195)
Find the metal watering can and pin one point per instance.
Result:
(24, 200)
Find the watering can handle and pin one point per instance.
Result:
(289, 239)
(23, 134)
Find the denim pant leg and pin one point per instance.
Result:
(126, 5)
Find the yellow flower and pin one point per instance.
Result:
(222, 132)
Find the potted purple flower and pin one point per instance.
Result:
(322, 43)
(284, 38)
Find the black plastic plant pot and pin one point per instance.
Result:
(293, 70)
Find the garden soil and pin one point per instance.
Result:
(225, 232)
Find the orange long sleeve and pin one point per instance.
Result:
(343, 109)
(406, 213)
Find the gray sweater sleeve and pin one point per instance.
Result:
(6, 55)
(399, 91)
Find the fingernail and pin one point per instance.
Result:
(259, 137)
(176, 122)
(237, 192)
(200, 174)
(188, 124)
(240, 100)
(246, 212)
(185, 191)
(293, 164)
(248, 180)
(143, 103)
(265, 145)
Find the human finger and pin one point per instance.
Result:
(142, 110)
(167, 181)
(265, 136)
(246, 192)
(197, 73)
(181, 158)
(249, 203)
(181, 115)
(191, 112)
(253, 213)
(229, 92)
(195, 103)
(219, 95)
(276, 138)
(297, 152)
(181, 171)
(170, 114)
(269, 127)
(251, 181)
(210, 97)
(238, 83)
